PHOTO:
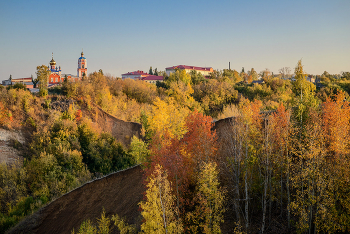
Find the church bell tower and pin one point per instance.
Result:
(81, 66)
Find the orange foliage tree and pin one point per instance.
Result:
(5, 115)
(336, 118)
(182, 157)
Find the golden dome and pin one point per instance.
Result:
(52, 62)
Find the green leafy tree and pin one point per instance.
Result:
(179, 75)
(156, 72)
(84, 77)
(285, 72)
(196, 77)
(150, 71)
(139, 150)
(43, 73)
(17, 86)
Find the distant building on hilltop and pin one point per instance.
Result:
(135, 75)
(205, 71)
(82, 67)
(140, 75)
(26, 81)
(153, 79)
(57, 77)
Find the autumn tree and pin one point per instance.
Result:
(214, 95)
(196, 77)
(139, 150)
(308, 170)
(209, 211)
(167, 117)
(182, 156)
(336, 118)
(285, 72)
(242, 144)
(305, 93)
(265, 74)
(179, 75)
(281, 141)
(253, 74)
(199, 142)
(159, 211)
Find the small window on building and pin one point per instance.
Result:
(51, 79)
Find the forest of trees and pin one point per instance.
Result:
(283, 164)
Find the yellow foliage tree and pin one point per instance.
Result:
(209, 212)
(159, 210)
(182, 93)
(167, 116)
(179, 75)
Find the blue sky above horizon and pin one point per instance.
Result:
(122, 36)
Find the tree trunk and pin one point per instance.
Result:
(246, 185)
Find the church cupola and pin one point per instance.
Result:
(52, 63)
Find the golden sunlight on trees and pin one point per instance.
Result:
(159, 210)
(167, 117)
(336, 118)
(278, 163)
(305, 92)
(179, 75)
(210, 198)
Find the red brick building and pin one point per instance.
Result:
(57, 77)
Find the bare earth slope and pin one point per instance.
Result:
(118, 193)
(8, 154)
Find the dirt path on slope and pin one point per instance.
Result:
(117, 193)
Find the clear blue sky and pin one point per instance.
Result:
(122, 36)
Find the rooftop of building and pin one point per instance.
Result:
(153, 77)
(189, 68)
(26, 79)
(138, 72)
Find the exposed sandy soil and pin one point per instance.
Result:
(118, 193)
(8, 154)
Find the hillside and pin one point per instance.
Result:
(121, 130)
(118, 193)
